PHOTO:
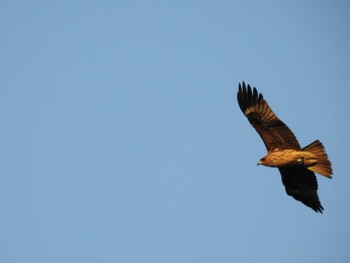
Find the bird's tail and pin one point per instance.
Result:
(323, 166)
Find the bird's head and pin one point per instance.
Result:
(261, 161)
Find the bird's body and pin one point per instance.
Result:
(296, 165)
(288, 157)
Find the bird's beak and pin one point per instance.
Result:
(258, 163)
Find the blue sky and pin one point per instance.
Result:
(122, 140)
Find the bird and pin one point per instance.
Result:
(296, 165)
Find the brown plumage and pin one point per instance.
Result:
(296, 165)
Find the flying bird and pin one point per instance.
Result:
(297, 165)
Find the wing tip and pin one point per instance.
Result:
(247, 96)
(318, 209)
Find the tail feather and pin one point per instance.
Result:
(323, 166)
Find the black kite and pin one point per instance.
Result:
(296, 165)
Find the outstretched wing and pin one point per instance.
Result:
(272, 130)
(301, 184)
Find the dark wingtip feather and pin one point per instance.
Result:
(247, 96)
(249, 93)
(319, 209)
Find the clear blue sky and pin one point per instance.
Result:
(122, 140)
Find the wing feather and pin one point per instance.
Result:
(273, 132)
(301, 184)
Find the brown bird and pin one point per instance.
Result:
(296, 165)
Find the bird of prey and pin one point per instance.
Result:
(297, 165)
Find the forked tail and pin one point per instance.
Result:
(323, 166)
